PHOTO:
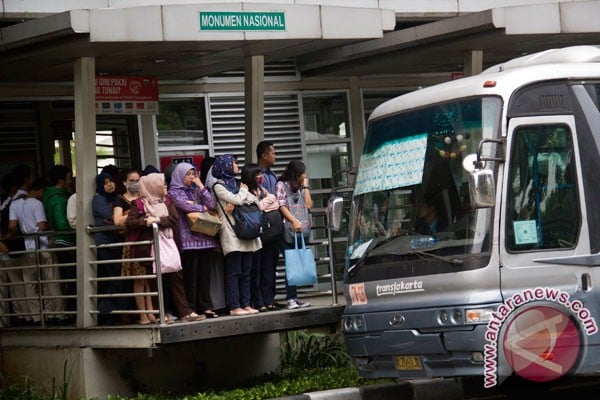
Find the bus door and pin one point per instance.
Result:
(544, 242)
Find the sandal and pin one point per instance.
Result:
(211, 314)
(191, 317)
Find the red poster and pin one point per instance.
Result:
(126, 88)
(126, 95)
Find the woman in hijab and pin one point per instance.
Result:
(198, 254)
(102, 209)
(154, 207)
(238, 253)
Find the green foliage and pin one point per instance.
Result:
(303, 350)
(26, 391)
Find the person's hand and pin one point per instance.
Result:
(297, 225)
(243, 186)
(198, 182)
(151, 220)
(229, 208)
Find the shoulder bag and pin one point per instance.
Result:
(300, 265)
(170, 260)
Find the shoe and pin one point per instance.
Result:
(272, 307)
(302, 304)
(192, 317)
(279, 306)
(292, 305)
(263, 309)
(251, 310)
(211, 314)
(171, 317)
(238, 311)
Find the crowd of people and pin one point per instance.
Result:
(217, 275)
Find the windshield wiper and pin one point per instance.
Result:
(425, 255)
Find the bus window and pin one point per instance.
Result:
(543, 198)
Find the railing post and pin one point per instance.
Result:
(334, 301)
(161, 300)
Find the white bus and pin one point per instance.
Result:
(474, 239)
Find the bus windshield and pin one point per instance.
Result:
(411, 199)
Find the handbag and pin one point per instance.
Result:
(272, 226)
(300, 265)
(208, 223)
(170, 260)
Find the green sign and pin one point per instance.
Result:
(241, 21)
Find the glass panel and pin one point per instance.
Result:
(325, 116)
(328, 144)
(543, 197)
(182, 123)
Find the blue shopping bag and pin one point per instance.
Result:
(300, 265)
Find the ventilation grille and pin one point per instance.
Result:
(282, 127)
(18, 137)
(552, 102)
(276, 70)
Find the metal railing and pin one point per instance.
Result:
(36, 289)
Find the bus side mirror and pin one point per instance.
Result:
(482, 188)
(334, 212)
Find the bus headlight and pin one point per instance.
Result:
(478, 315)
(354, 323)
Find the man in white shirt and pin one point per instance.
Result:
(33, 220)
(23, 280)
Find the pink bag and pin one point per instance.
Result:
(170, 260)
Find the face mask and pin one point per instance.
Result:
(133, 187)
(260, 180)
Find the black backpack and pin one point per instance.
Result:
(17, 244)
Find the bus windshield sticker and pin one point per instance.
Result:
(395, 164)
(525, 232)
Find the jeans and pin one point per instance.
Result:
(237, 278)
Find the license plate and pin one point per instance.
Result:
(406, 363)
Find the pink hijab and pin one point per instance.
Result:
(152, 193)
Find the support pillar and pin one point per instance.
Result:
(85, 163)
(473, 63)
(148, 140)
(254, 99)
(357, 124)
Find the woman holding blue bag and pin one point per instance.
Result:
(295, 203)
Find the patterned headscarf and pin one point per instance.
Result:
(222, 169)
(153, 196)
(100, 186)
